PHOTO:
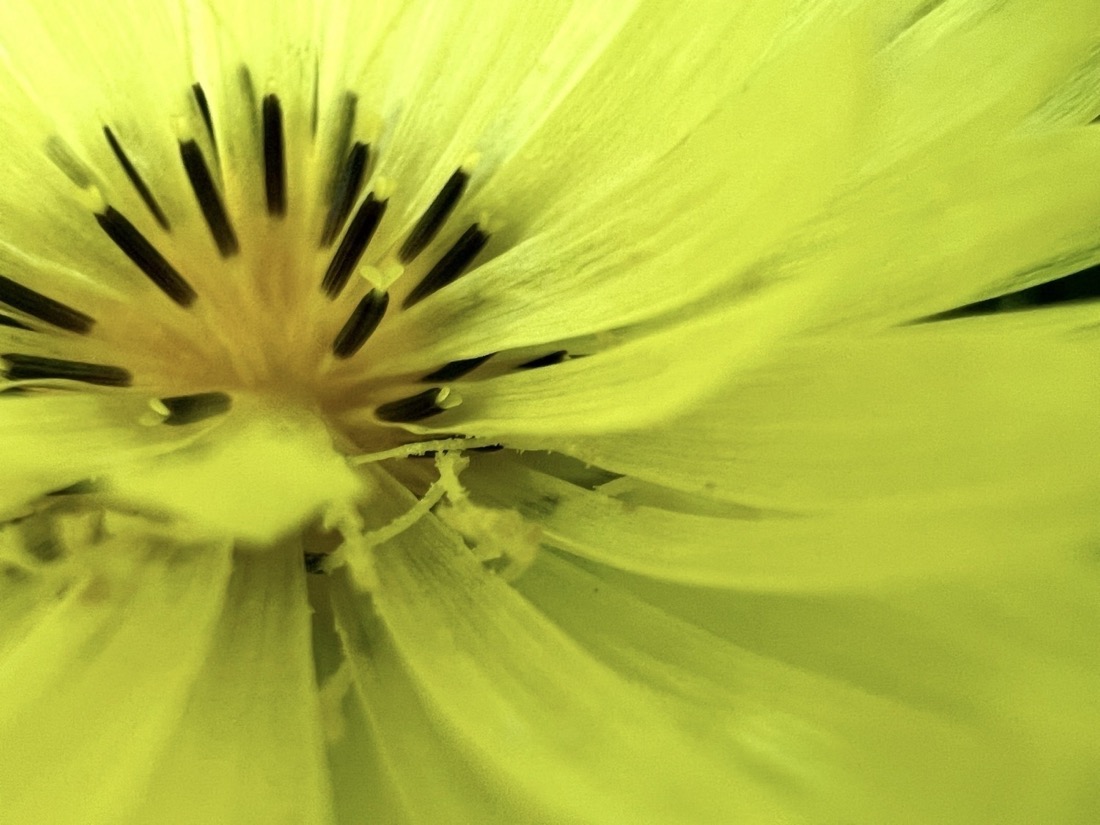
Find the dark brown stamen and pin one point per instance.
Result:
(414, 408)
(145, 256)
(8, 321)
(80, 488)
(248, 90)
(274, 157)
(361, 325)
(353, 245)
(547, 360)
(38, 306)
(434, 216)
(450, 267)
(210, 201)
(346, 189)
(456, 369)
(341, 142)
(30, 367)
(136, 180)
(190, 409)
(204, 109)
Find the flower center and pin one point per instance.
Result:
(261, 276)
(279, 299)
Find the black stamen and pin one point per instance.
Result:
(204, 109)
(28, 367)
(547, 360)
(315, 98)
(363, 322)
(457, 369)
(189, 409)
(145, 256)
(488, 448)
(8, 321)
(451, 266)
(45, 309)
(136, 180)
(349, 103)
(434, 216)
(274, 157)
(248, 89)
(213, 210)
(345, 191)
(80, 488)
(70, 165)
(314, 562)
(353, 245)
(414, 408)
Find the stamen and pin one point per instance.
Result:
(434, 216)
(315, 98)
(136, 180)
(190, 409)
(213, 210)
(345, 191)
(204, 109)
(29, 367)
(363, 322)
(274, 157)
(66, 160)
(145, 256)
(349, 103)
(547, 360)
(8, 321)
(248, 89)
(353, 245)
(315, 562)
(457, 369)
(450, 267)
(80, 488)
(415, 407)
(45, 309)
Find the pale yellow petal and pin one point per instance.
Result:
(856, 546)
(532, 709)
(853, 712)
(640, 381)
(50, 441)
(92, 692)
(249, 745)
(950, 409)
(413, 757)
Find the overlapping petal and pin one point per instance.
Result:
(91, 692)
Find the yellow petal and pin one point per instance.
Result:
(861, 545)
(850, 712)
(92, 692)
(532, 709)
(249, 745)
(960, 409)
(636, 383)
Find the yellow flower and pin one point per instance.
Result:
(466, 412)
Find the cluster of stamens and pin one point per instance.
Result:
(350, 223)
